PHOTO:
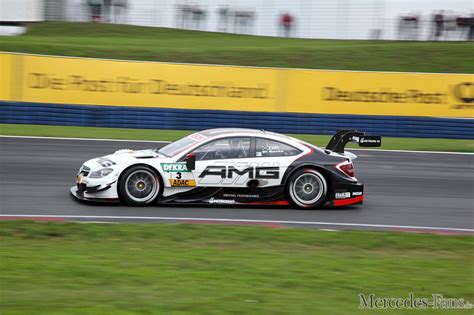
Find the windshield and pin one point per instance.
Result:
(179, 145)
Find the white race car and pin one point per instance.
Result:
(228, 167)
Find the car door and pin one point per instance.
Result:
(223, 162)
(271, 158)
(234, 161)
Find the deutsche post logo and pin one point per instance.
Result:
(464, 92)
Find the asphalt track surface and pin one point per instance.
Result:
(403, 191)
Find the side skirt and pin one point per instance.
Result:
(228, 196)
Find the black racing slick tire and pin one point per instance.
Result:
(139, 186)
(307, 189)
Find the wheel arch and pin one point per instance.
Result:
(326, 173)
(300, 170)
(160, 177)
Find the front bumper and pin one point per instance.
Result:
(81, 195)
(98, 189)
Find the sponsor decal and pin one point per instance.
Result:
(383, 95)
(370, 141)
(135, 85)
(197, 136)
(174, 167)
(464, 93)
(241, 195)
(221, 201)
(254, 172)
(182, 182)
(268, 151)
(214, 90)
(357, 193)
(365, 140)
(343, 195)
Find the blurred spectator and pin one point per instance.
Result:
(114, 11)
(109, 11)
(95, 10)
(198, 17)
(190, 16)
(466, 24)
(119, 10)
(450, 27)
(438, 25)
(375, 34)
(286, 24)
(408, 27)
(470, 22)
(183, 15)
(243, 22)
(223, 23)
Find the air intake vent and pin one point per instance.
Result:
(84, 171)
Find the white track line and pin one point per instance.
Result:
(115, 217)
(159, 141)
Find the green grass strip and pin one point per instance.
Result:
(71, 268)
(171, 45)
(417, 144)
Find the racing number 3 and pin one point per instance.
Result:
(178, 175)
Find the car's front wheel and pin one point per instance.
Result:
(139, 186)
(307, 188)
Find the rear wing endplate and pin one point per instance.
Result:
(342, 137)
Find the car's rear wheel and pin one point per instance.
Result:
(307, 189)
(139, 186)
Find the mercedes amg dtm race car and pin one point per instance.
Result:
(229, 167)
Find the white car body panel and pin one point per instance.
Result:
(122, 159)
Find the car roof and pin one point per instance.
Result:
(217, 132)
(208, 135)
(225, 131)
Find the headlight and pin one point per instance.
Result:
(101, 173)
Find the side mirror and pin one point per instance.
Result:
(190, 162)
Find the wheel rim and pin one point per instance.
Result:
(141, 186)
(307, 189)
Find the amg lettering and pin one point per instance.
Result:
(268, 172)
(254, 172)
(215, 171)
(232, 170)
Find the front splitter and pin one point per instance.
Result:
(80, 196)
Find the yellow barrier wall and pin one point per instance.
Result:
(375, 93)
(5, 77)
(145, 84)
(150, 84)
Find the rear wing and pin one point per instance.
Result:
(342, 137)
